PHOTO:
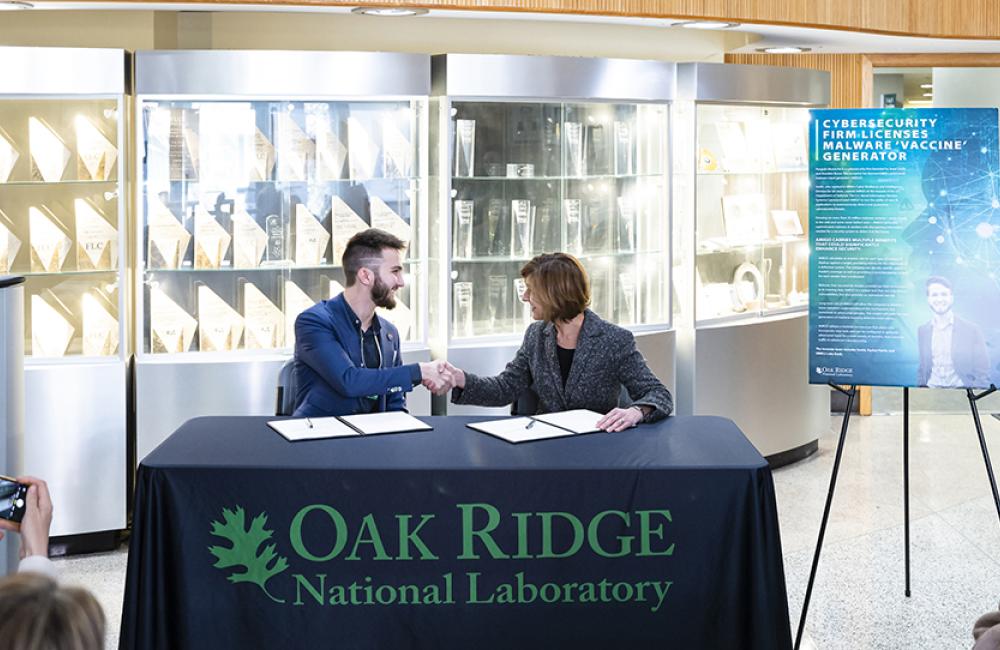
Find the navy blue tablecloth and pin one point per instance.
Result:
(662, 536)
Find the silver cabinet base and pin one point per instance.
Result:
(757, 375)
(75, 439)
(169, 392)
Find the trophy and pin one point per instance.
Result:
(171, 328)
(296, 302)
(465, 147)
(573, 137)
(168, 238)
(265, 323)
(496, 216)
(96, 154)
(183, 144)
(220, 326)
(228, 147)
(8, 156)
(574, 226)
(331, 154)
(626, 309)
(521, 222)
(346, 223)
(263, 157)
(49, 154)
(211, 241)
(626, 224)
(249, 241)
(9, 243)
(100, 326)
(385, 218)
(595, 150)
(462, 238)
(274, 228)
(463, 310)
(295, 149)
(311, 238)
(498, 302)
(96, 239)
(361, 151)
(396, 151)
(522, 308)
(51, 331)
(49, 243)
(624, 149)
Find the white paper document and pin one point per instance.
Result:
(312, 428)
(388, 422)
(519, 429)
(577, 420)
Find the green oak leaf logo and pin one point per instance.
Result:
(244, 551)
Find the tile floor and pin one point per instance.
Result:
(858, 600)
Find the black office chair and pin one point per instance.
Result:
(285, 403)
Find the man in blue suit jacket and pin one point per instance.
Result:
(952, 350)
(347, 359)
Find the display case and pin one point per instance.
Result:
(546, 154)
(741, 206)
(256, 169)
(62, 226)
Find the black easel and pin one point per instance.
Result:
(973, 398)
(906, 484)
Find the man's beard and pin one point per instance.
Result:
(382, 295)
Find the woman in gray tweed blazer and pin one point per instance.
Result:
(570, 357)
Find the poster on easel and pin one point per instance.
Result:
(904, 270)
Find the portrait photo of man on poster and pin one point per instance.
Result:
(952, 350)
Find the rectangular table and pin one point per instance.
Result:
(661, 536)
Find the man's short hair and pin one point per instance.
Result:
(937, 279)
(365, 250)
(559, 284)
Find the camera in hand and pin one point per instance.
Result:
(13, 499)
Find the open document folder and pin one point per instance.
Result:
(348, 425)
(541, 427)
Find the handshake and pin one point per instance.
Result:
(439, 377)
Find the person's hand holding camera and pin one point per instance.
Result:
(34, 527)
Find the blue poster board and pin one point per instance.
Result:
(905, 237)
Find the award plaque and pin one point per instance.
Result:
(521, 221)
(626, 308)
(624, 149)
(361, 150)
(462, 237)
(760, 146)
(227, 154)
(51, 331)
(8, 156)
(496, 220)
(733, 144)
(335, 289)
(295, 149)
(385, 218)
(296, 302)
(346, 223)
(49, 154)
(498, 303)
(787, 223)
(249, 241)
(573, 137)
(401, 316)
(626, 224)
(49, 243)
(96, 239)
(331, 154)
(220, 326)
(9, 244)
(211, 241)
(595, 150)
(574, 226)
(274, 227)
(96, 154)
(790, 142)
(100, 327)
(463, 310)
(745, 216)
(522, 308)
(168, 238)
(263, 157)
(183, 144)
(397, 155)
(171, 328)
(265, 323)
(465, 147)
(311, 238)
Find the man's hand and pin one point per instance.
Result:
(432, 375)
(455, 376)
(620, 419)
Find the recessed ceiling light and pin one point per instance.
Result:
(15, 5)
(704, 24)
(784, 49)
(388, 11)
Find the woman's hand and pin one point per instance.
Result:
(620, 419)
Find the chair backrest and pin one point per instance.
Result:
(285, 404)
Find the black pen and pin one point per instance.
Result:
(309, 423)
(530, 424)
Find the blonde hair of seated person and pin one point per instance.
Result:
(36, 613)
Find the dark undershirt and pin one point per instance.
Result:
(565, 362)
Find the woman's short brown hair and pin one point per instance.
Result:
(36, 613)
(559, 284)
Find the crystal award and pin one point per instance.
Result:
(274, 226)
(361, 150)
(626, 224)
(227, 145)
(522, 308)
(397, 156)
(496, 223)
(624, 149)
(262, 166)
(249, 241)
(183, 144)
(8, 156)
(168, 238)
(265, 323)
(51, 330)
(311, 238)
(401, 316)
(9, 244)
(220, 326)
(573, 137)
(49, 243)
(465, 147)
(463, 310)
(574, 226)
(334, 289)
(331, 154)
(172, 328)
(96, 239)
(346, 224)
(626, 308)
(100, 326)
(49, 154)
(211, 241)
(95, 153)
(296, 302)
(295, 149)
(464, 212)
(385, 218)
(498, 302)
(521, 221)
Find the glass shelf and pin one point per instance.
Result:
(796, 170)
(110, 182)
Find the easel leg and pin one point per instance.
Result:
(973, 398)
(826, 510)
(906, 483)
